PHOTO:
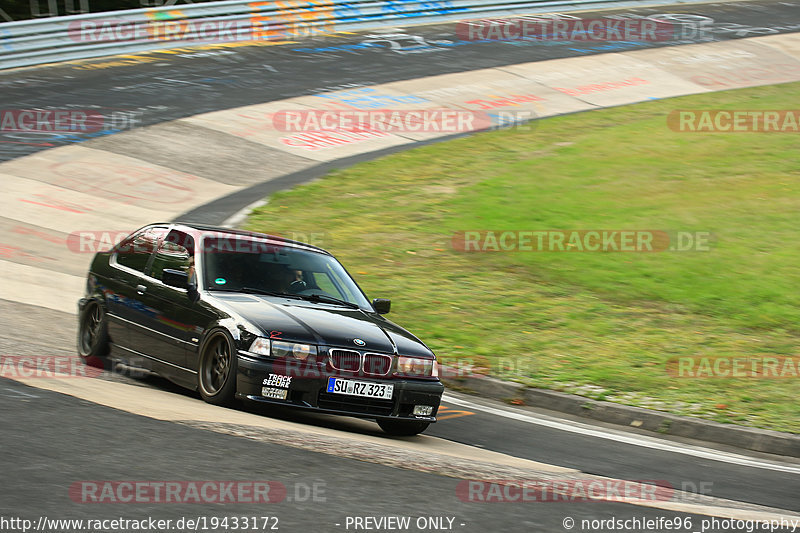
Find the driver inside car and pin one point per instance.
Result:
(281, 278)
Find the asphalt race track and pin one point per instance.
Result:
(117, 445)
(50, 441)
(343, 468)
(160, 87)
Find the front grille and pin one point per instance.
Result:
(355, 404)
(345, 360)
(377, 364)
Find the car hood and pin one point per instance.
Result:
(322, 324)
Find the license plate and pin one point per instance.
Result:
(272, 392)
(352, 387)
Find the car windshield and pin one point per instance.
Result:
(249, 264)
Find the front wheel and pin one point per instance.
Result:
(92, 335)
(403, 428)
(216, 375)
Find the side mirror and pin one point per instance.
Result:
(175, 278)
(382, 305)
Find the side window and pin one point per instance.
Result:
(134, 252)
(323, 281)
(176, 252)
(343, 288)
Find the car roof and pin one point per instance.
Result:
(206, 228)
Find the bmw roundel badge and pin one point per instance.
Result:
(359, 342)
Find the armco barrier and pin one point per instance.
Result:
(33, 42)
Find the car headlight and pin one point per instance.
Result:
(289, 350)
(282, 349)
(416, 366)
(260, 346)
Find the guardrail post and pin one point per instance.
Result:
(52, 9)
(83, 7)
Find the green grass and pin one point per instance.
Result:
(598, 324)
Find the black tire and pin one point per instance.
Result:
(216, 373)
(93, 343)
(403, 428)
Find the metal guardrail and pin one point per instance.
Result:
(33, 42)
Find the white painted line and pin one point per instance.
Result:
(41, 287)
(241, 215)
(627, 438)
(19, 394)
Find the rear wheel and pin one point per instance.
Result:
(403, 428)
(92, 335)
(216, 377)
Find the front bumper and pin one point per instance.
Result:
(307, 390)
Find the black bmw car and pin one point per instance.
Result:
(241, 315)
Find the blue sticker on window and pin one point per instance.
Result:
(220, 281)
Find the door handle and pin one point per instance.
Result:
(140, 289)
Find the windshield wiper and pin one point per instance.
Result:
(263, 292)
(308, 297)
(328, 299)
(269, 293)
